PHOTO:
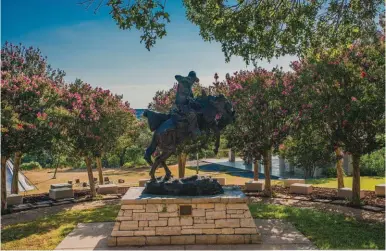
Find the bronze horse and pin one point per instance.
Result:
(214, 113)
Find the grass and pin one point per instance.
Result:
(47, 232)
(367, 183)
(326, 230)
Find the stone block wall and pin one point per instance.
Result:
(162, 224)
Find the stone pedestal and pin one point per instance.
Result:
(346, 193)
(14, 199)
(255, 185)
(61, 193)
(289, 182)
(61, 185)
(107, 189)
(169, 220)
(299, 188)
(380, 190)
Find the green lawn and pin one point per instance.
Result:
(367, 183)
(47, 232)
(326, 230)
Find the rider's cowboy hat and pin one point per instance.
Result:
(191, 77)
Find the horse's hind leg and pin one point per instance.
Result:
(154, 167)
(164, 157)
(150, 150)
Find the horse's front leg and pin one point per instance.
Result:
(217, 137)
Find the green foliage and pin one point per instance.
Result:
(373, 164)
(30, 165)
(113, 160)
(330, 172)
(257, 29)
(342, 91)
(148, 16)
(260, 99)
(321, 227)
(307, 149)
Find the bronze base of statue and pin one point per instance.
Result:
(190, 186)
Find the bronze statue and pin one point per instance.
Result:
(188, 119)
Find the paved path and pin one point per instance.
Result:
(276, 234)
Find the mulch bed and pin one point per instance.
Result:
(321, 193)
(35, 198)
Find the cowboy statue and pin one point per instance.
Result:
(185, 105)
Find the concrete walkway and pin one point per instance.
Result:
(276, 234)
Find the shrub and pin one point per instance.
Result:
(330, 172)
(113, 161)
(373, 164)
(30, 166)
(137, 163)
(128, 164)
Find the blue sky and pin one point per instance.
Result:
(91, 47)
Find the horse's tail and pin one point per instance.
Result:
(155, 119)
(151, 149)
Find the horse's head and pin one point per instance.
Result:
(225, 112)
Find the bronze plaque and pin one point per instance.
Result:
(185, 210)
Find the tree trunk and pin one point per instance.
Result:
(356, 180)
(181, 164)
(267, 166)
(90, 176)
(339, 167)
(56, 169)
(99, 166)
(256, 170)
(15, 177)
(232, 157)
(122, 158)
(3, 182)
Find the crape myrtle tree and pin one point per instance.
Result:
(99, 118)
(31, 105)
(260, 99)
(345, 88)
(162, 102)
(115, 118)
(307, 149)
(134, 134)
(253, 29)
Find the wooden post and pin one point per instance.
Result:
(90, 176)
(3, 182)
(15, 177)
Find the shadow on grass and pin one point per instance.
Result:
(320, 181)
(65, 222)
(229, 170)
(326, 230)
